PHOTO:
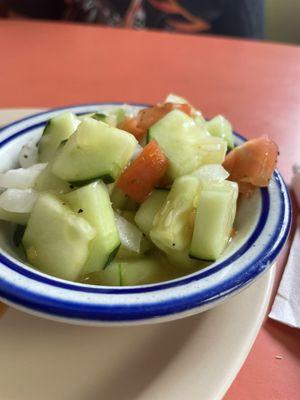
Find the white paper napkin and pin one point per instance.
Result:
(286, 307)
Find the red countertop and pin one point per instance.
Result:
(256, 85)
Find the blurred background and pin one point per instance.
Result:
(275, 20)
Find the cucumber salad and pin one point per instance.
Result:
(126, 197)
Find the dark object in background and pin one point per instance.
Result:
(243, 18)
(94, 11)
(44, 9)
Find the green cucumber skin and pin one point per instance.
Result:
(99, 117)
(105, 178)
(95, 150)
(112, 256)
(56, 239)
(46, 129)
(170, 229)
(147, 211)
(57, 131)
(201, 259)
(186, 145)
(93, 202)
(214, 219)
(221, 127)
(18, 235)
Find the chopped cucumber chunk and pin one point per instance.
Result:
(186, 144)
(110, 276)
(58, 129)
(109, 119)
(47, 181)
(182, 260)
(146, 213)
(214, 219)
(173, 224)
(94, 151)
(92, 203)
(56, 239)
(141, 272)
(221, 127)
(130, 273)
(121, 201)
(112, 117)
(199, 119)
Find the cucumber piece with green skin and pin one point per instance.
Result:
(172, 225)
(92, 203)
(130, 273)
(15, 217)
(94, 151)
(110, 276)
(142, 272)
(148, 209)
(221, 127)
(109, 119)
(121, 201)
(57, 130)
(214, 219)
(49, 182)
(186, 144)
(182, 260)
(56, 239)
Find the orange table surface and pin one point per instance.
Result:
(256, 85)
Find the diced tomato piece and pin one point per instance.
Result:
(252, 163)
(130, 125)
(143, 174)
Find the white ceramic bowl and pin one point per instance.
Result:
(263, 224)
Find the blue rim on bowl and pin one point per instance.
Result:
(44, 295)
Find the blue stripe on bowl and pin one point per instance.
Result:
(42, 304)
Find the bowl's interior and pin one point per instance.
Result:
(247, 214)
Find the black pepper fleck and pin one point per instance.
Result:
(71, 187)
(25, 156)
(80, 210)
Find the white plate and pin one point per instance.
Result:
(193, 358)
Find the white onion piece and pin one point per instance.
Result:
(211, 172)
(137, 150)
(28, 155)
(21, 178)
(130, 235)
(18, 200)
